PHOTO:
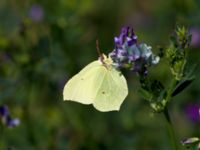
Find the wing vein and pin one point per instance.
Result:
(100, 83)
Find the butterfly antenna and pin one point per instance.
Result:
(98, 50)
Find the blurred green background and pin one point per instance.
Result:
(45, 42)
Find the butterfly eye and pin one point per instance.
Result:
(103, 92)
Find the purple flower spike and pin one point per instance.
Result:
(127, 36)
(193, 113)
(129, 55)
(124, 50)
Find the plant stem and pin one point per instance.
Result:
(1, 135)
(167, 116)
(170, 90)
(29, 123)
(170, 130)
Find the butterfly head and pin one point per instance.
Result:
(106, 61)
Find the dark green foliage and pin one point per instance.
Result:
(176, 53)
(154, 92)
(38, 57)
(188, 77)
(183, 74)
(181, 86)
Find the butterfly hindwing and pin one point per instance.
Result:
(112, 92)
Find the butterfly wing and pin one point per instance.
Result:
(112, 92)
(105, 88)
(84, 86)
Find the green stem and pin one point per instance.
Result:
(170, 130)
(28, 119)
(167, 116)
(171, 89)
(1, 134)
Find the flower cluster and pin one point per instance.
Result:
(130, 55)
(6, 118)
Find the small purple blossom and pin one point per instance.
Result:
(6, 118)
(36, 13)
(128, 54)
(193, 112)
(4, 112)
(195, 37)
(127, 36)
(11, 123)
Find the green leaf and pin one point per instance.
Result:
(145, 94)
(178, 68)
(174, 41)
(157, 88)
(159, 103)
(188, 77)
(189, 71)
(182, 85)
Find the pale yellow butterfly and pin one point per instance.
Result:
(100, 84)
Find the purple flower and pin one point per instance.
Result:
(128, 54)
(36, 13)
(195, 37)
(127, 36)
(4, 112)
(125, 51)
(6, 118)
(193, 112)
(11, 123)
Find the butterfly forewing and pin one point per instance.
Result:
(84, 86)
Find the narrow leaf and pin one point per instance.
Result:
(181, 86)
(145, 94)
